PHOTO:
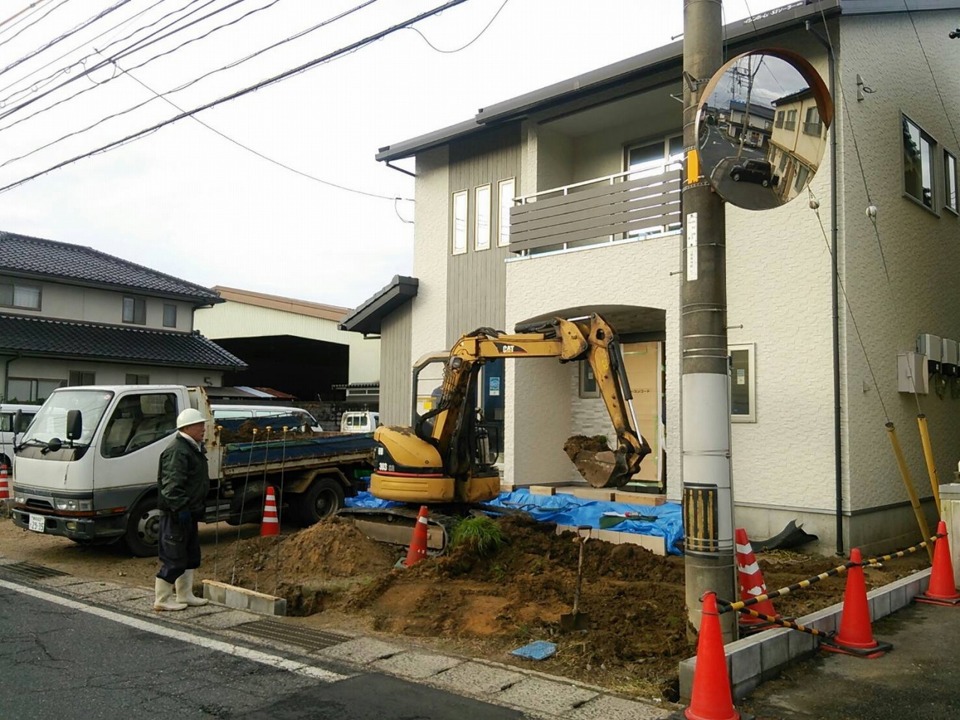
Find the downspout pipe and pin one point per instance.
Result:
(834, 289)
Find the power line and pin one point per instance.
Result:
(240, 93)
(462, 47)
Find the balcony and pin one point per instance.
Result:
(627, 206)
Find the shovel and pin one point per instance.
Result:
(576, 620)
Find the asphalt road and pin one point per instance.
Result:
(64, 659)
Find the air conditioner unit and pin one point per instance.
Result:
(949, 364)
(912, 374)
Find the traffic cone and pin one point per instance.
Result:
(710, 698)
(4, 483)
(941, 590)
(751, 584)
(271, 523)
(855, 636)
(418, 542)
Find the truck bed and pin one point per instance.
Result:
(323, 449)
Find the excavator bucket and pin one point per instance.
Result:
(599, 465)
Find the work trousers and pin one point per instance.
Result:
(179, 547)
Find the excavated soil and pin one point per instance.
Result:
(486, 607)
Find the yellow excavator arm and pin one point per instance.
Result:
(445, 457)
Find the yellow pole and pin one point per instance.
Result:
(911, 491)
(928, 456)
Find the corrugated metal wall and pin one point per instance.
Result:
(395, 366)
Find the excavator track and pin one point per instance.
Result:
(395, 525)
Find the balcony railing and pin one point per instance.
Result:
(616, 207)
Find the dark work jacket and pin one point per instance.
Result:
(182, 477)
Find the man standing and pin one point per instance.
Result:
(182, 481)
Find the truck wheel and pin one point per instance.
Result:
(736, 177)
(322, 499)
(143, 528)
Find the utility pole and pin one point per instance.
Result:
(705, 379)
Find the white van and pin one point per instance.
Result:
(359, 421)
(10, 429)
(230, 412)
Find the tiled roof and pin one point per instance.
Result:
(47, 258)
(90, 341)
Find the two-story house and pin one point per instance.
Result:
(520, 214)
(71, 315)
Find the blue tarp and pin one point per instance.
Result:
(566, 509)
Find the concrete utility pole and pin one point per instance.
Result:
(705, 381)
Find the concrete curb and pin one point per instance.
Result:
(761, 657)
(242, 599)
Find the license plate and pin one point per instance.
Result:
(37, 523)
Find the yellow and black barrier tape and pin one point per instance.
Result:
(725, 606)
(783, 622)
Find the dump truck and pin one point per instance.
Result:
(86, 467)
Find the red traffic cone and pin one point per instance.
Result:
(4, 483)
(751, 584)
(271, 523)
(941, 590)
(711, 698)
(855, 636)
(418, 542)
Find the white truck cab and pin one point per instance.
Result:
(359, 421)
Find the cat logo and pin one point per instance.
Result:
(506, 348)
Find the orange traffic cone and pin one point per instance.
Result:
(751, 584)
(711, 698)
(941, 590)
(418, 542)
(4, 483)
(855, 636)
(271, 523)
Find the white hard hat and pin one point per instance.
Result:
(189, 417)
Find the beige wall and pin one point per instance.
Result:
(106, 373)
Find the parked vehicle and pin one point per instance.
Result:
(232, 412)
(755, 171)
(359, 421)
(87, 467)
(14, 419)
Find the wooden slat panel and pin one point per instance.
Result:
(587, 192)
(598, 213)
(647, 216)
(561, 238)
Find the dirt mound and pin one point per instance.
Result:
(250, 430)
(487, 606)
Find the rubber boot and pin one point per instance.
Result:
(164, 597)
(185, 590)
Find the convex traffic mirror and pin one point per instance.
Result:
(762, 128)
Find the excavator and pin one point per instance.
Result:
(444, 458)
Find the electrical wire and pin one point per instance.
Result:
(29, 10)
(287, 74)
(27, 27)
(261, 155)
(462, 47)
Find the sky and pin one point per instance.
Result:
(244, 194)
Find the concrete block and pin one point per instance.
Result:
(879, 602)
(545, 696)
(474, 678)
(609, 707)
(542, 490)
(775, 652)
(654, 543)
(416, 665)
(243, 599)
(610, 536)
(361, 651)
(800, 644)
(686, 670)
(743, 657)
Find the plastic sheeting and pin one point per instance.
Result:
(564, 509)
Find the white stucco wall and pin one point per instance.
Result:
(233, 319)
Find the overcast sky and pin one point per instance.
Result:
(200, 201)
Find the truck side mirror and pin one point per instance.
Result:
(74, 424)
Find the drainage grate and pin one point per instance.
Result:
(293, 634)
(32, 571)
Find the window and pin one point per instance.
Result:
(481, 239)
(15, 295)
(135, 379)
(79, 377)
(588, 382)
(917, 163)
(803, 172)
(791, 121)
(812, 124)
(950, 200)
(779, 122)
(31, 389)
(138, 421)
(169, 315)
(134, 310)
(507, 189)
(743, 384)
(460, 222)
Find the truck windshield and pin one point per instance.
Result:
(51, 420)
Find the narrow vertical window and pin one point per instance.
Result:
(460, 222)
(507, 188)
(169, 315)
(743, 384)
(917, 163)
(482, 198)
(950, 200)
